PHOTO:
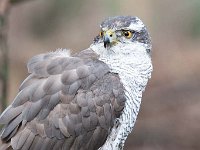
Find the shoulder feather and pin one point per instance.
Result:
(66, 100)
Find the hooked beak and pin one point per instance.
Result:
(106, 41)
(109, 38)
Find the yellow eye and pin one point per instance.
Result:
(127, 34)
(101, 34)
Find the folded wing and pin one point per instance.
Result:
(67, 102)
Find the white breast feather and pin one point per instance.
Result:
(134, 67)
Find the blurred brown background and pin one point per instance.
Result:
(170, 113)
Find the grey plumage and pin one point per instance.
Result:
(63, 99)
(72, 102)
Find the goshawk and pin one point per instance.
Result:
(85, 101)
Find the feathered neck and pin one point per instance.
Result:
(133, 64)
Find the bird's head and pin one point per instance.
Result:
(121, 35)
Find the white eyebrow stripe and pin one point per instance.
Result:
(136, 26)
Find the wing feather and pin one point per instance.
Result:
(66, 102)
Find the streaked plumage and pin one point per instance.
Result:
(83, 101)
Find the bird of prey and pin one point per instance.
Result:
(84, 101)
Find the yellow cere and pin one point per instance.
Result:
(110, 32)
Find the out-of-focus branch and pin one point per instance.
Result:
(4, 9)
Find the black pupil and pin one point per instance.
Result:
(126, 33)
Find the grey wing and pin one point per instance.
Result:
(65, 103)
